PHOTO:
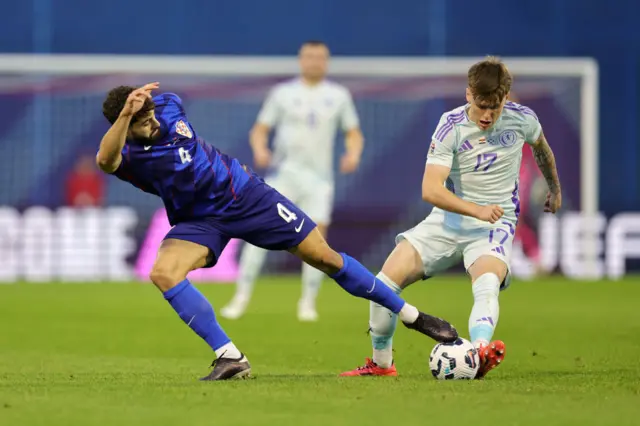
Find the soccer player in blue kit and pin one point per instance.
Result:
(210, 198)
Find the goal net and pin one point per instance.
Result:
(51, 106)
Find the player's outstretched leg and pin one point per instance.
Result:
(402, 267)
(252, 259)
(487, 273)
(175, 259)
(359, 282)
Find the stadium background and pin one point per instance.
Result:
(384, 196)
(114, 353)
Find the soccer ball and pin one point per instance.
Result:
(457, 360)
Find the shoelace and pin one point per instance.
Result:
(368, 365)
(215, 361)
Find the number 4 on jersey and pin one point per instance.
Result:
(185, 157)
(286, 214)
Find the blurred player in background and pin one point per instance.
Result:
(305, 114)
(471, 179)
(210, 198)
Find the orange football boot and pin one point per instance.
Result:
(490, 357)
(371, 369)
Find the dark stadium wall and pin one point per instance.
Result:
(355, 27)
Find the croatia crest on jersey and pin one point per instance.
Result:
(183, 129)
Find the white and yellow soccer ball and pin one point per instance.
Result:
(457, 360)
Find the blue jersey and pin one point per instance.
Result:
(193, 178)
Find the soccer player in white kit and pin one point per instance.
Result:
(306, 113)
(471, 179)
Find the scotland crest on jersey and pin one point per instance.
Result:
(508, 138)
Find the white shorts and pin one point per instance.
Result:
(314, 197)
(440, 247)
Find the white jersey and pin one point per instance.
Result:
(306, 119)
(485, 164)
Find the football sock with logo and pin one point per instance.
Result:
(196, 311)
(359, 282)
(486, 309)
(382, 326)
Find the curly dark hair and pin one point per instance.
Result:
(116, 98)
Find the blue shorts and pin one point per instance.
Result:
(260, 216)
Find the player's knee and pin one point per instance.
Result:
(165, 277)
(488, 265)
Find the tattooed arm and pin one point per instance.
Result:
(547, 164)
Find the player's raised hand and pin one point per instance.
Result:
(553, 203)
(137, 98)
(349, 163)
(491, 213)
(262, 158)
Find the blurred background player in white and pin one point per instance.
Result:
(305, 113)
(471, 179)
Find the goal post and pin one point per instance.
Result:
(399, 100)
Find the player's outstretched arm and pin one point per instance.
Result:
(434, 192)
(259, 141)
(109, 155)
(354, 144)
(547, 164)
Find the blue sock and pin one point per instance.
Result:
(196, 311)
(358, 281)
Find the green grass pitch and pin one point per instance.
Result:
(116, 354)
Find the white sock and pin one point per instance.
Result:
(228, 351)
(251, 261)
(382, 323)
(311, 280)
(486, 309)
(408, 313)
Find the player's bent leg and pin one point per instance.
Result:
(176, 258)
(252, 259)
(487, 273)
(402, 268)
(359, 282)
(311, 281)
